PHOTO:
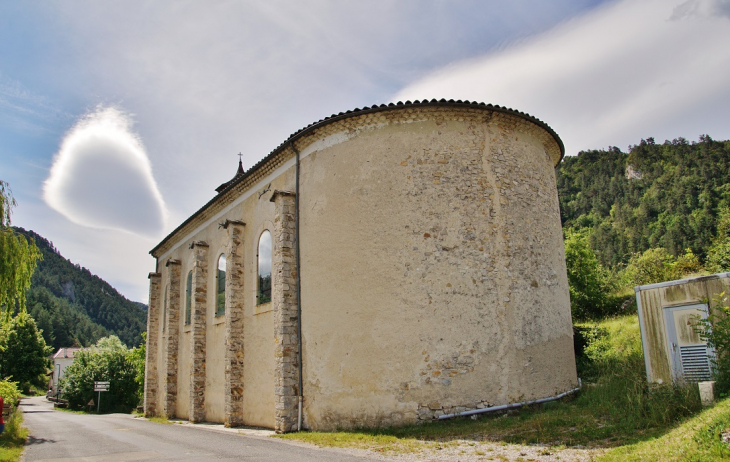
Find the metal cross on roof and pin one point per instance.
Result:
(240, 156)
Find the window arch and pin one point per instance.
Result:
(263, 292)
(188, 297)
(220, 303)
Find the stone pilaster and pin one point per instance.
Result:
(172, 340)
(153, 320)
(234, 325)
(284, 299)
(198, 331)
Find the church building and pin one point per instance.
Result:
(383, 266)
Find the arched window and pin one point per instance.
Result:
(188, 297)
(220, 304)
(263, 294)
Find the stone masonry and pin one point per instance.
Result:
(198, 334)
(442, 212)
(234, 325)
(150, 378)
(284, 299)
(172, 338)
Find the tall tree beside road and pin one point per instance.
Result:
(18, 258)
(24, 357)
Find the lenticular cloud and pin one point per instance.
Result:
(101, 177)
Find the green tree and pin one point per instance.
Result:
(137, 356)
(18, 258)
(107, 361)
(718, 255)
(658, 265)
(716, 331)
(657, 195)
(25, 354)
(590, 283)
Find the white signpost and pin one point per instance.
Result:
(100, 386)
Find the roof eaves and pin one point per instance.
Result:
(357, 111)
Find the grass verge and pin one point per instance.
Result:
(12, 441)
(619, 408)
(160, 420)
(699, 439)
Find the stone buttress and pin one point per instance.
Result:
(234, 325)
(153, 319)
(172, 338)
(199, 310)
(284, 299)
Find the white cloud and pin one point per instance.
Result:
(101, 177)
(206, 80)
(626, 71)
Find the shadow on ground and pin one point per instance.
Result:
(33, 440)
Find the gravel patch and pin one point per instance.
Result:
(463, 451)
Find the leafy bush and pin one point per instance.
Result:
(614, 362)
(12, 441)
(715, 330)
(611, 345)
(107, 361)
(658, 265)
(136, 357)
(9, 391)
(718, 255)
(590, 283)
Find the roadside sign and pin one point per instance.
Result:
(100, 386)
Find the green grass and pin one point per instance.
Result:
(160, 420)
(698, 440)
(382, 442)
(12, 441)
(619, 408)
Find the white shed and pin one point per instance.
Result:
(668, 314)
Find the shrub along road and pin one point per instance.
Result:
(64, 436)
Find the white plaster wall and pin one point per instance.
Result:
(258, 214)
(59, 364)
(433, 272)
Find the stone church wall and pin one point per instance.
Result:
(434, 270)
(432, 267)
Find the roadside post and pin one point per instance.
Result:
(99, 387)
(58, 381)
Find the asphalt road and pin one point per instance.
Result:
(64, 437)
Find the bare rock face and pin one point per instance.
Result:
(633, 174)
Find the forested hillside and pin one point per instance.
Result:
(671, 195)
(72, 305)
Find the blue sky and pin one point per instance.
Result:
(118, 119)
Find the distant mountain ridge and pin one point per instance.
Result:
(73, 306)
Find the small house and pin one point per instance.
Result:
(63, 358)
